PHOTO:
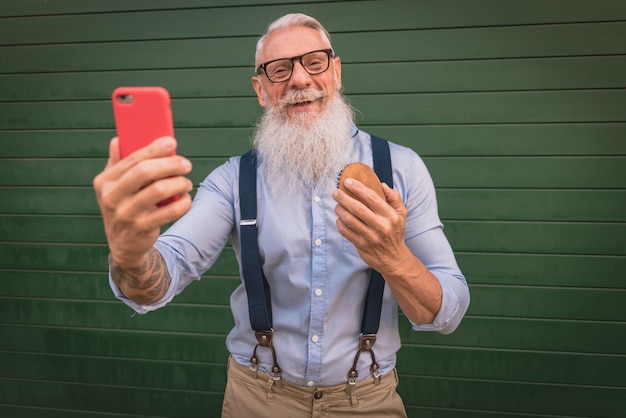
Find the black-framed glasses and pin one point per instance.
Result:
(280, 70)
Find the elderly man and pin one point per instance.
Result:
(317, 245)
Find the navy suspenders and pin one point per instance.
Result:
(257, 287)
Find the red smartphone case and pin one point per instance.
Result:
(142, 115)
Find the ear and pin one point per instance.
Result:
(258, 89)
(337, 69)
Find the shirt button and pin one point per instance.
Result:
(318, 242)
(316, 199)
(315, 338)
(310, 383)
(318, 292)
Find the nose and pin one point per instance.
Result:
(299, 76)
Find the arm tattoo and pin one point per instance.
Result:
(144, 284)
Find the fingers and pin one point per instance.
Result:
(114, 152)
(370, 199)
(161, 148)
(372, 221)
(355, 220)
(136, 218)
(124, 178)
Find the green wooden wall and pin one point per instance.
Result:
(517, 107)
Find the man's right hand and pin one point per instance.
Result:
(128, 191)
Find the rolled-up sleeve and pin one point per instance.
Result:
(427, 241)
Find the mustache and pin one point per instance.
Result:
(301, 96)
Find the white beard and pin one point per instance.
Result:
(298, 152)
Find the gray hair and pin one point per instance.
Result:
(292, 20)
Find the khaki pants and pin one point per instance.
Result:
(249, 397)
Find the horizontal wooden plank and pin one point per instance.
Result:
(77, 229)
(54, 257)
(501, 398)
(226, 112)
(442, 362)
(380, 78)
(115, 343)
(75, 172)
(108, 399)
(36, 8)
(392, 109)
(544, 270)
(482, 43)
(355, 47)
(487, 300)
(25, 411)
(83, 258)
(538, 237)
(602, 272)
(480, 268)
(114, 314)
(447, 362)
(471, 236)
(485, 75)
(214, 21)
(512, 366)
(508, 139)
(420, 412)
(548, 303)
(558, 336)
(533, 205)
(191, 376)
(573, 336)
(212, 142)
(95, 286)
(528, 172)
(454, 204)
(583, 139)
(412, 14)
(470, 172)
(483, 108)
(49, 200)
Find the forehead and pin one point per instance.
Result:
(284, 43)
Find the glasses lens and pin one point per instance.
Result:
(278, 71)
(315, 62)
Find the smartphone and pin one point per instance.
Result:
(142, 115)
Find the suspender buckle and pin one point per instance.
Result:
(247, 222)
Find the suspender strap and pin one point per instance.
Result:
(257, 288)
(374, 296)
(382, 160)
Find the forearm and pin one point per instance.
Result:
(144, 284)
(415, 288)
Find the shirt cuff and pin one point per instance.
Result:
(451, 312)
(141, 309)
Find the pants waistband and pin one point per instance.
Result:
(242, 372)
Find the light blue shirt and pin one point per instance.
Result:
(317, 279)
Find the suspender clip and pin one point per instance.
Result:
(265, 340)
